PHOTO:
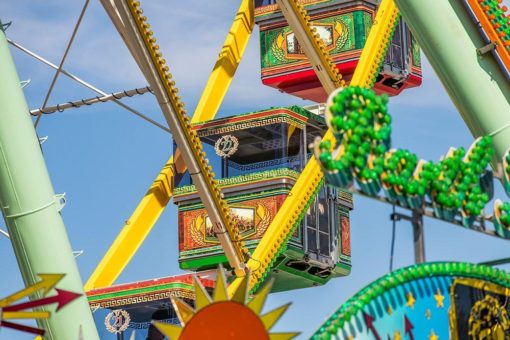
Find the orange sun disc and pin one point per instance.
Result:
(225, 320)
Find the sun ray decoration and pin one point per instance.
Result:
(11, 309)
(221, 317)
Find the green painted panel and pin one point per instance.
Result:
(368, 21)
(416, 52)
(145, 290)
(359, 29)
(210, 261)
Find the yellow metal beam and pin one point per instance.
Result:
(141, 222)
(226, 65)
(135, 230)
(306, 185)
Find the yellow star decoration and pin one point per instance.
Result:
(428, 314)
(397, 336)
(433, 336)
(439, 299)
(350, 337)
(410, 300)
(224, 317)
(389, 310)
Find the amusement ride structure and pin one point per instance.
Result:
(264, 197)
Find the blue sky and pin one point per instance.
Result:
(104, 158)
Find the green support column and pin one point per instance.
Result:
(476, 85)
(30, 210)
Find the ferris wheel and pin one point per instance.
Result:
(267, 216)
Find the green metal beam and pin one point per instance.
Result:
(31, 210)
(476, 85)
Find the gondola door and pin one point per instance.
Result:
(319, 227)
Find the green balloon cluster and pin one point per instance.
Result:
(399, 173)
(504, 210)
(478, 159)
(362, 117)
(455, 181)
(362, 127)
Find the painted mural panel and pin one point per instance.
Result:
(416, 52)
(345, 235)
(282, 47)
(252, 216)
(434, 301)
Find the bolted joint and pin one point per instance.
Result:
(486, 49)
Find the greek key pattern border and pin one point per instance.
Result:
(264, 164)
(249, 178)
(145, 325)
(246, 125)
